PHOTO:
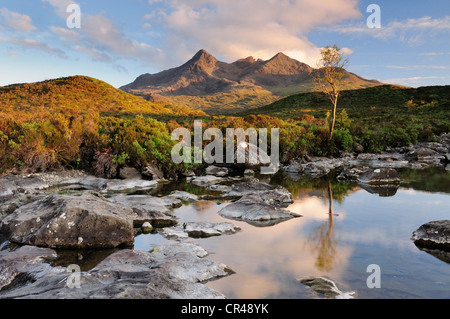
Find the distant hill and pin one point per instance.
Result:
(376, 108)
(78, 94)
(217, 87)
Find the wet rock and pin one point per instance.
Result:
(435, 235)
(319, 167)
(184, 196)
(258, 192)
(380, 176)
(326, 288)
(204, 181)
(205, 229)
(216, 171)
(146, 208)
(169, 271)
(70, 222)
(153, 172)
(175, 233)
(249, 172)
(127, 185)
(422, 154)
(84, 183)
(12, 185)
(293, 168)
(129, 173)
(23, 264)
(256, 212)
(18, 200)
(146, 227)
(351, 174)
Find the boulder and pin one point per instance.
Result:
(70, 222)
(258, 192)
(320, 166)
(435, 234)
(146, 227)
(216, 171)
(127, 185)
(257, 214)
(325, 287)
(184, 196)
(379, 177)
(205, 181)
(205, 229)
(129, 173)
(146, 208)
(153, 172)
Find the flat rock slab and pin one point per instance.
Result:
(259, 192)
(435, 234)
(11, 185)
(23, 262)
(175, 271)
(199, 230)
(70, 222)
(184, 196)
(207, 180)
(155, 210)
(205, 229)
(257, 214)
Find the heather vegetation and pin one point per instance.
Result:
(371, 119)
(80, 122)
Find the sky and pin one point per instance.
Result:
(407, 43)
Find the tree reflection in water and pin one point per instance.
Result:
(322, 239)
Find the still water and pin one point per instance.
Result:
(343, 229)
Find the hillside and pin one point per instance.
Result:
(76, 95)
(84, 123)
(377, 117)
(216, 87)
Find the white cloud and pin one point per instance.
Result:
(237, 29)
(228, 29)
(410, 30)
(412, 81)
(35, 45)
(16, 21)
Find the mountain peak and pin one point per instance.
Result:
(203, 55)
(280, 56)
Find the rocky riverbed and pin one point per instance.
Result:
(42, 215)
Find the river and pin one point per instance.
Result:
(337, 238)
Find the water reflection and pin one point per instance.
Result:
(344, 229)
(322, 239)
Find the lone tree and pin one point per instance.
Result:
(331, 70)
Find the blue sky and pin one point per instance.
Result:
(120, 40)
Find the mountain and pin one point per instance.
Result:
(206, 83)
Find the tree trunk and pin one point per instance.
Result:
(334, 119)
